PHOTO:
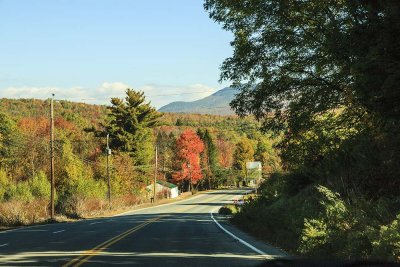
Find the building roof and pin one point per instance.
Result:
(162, 183)
(166, 184)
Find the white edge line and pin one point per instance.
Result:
(58, 231)
(237, 238)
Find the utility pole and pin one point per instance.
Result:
(108, 151)
(52, 157)
(245, 180)
(190, 178)
(155, 178)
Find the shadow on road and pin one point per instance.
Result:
(176, 239)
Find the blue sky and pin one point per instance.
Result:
(94, 49)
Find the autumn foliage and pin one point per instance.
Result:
(189, 146)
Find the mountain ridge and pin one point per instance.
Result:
(215, 104)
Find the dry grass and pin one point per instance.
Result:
(19, 213)
(16, 213)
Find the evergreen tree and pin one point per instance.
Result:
(129, 125)
(209, 157)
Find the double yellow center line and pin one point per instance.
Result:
(87, 255)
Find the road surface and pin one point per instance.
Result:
(176, 234)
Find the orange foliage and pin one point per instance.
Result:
(189, 146)
(34, 126)
(65, 125)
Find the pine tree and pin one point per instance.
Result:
(129, 125)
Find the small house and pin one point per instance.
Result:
(167, 189)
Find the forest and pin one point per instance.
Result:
(324, 77)
(208, 150)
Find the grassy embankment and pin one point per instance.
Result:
(317, 221)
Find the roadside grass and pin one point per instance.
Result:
(15, 213)
(18, 213)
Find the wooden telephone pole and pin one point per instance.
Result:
(155, 178)
(108, 151)
(52, 157)
(190, 178)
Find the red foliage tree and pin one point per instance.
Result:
(189, 146)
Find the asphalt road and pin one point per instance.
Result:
(177, 234)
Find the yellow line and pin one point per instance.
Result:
(94, 253)
(96, 250)
(87, 255)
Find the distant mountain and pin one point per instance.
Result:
(217, 103)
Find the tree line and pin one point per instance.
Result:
(194, 151)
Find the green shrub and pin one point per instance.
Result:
(228, 210)
(3, 184)
(90, 188)
(273, 187)
(315, 235)
(76, 192)
(319, 222)
(387, 241)
(323, 232)
(40, 186)
(20, 191)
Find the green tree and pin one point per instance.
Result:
(10, 142)
(300, 58)
(209, 157)
(267, 155)
(166, 144)
(323, 73)
(244, 152)
(129, 125)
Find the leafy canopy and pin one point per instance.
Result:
(296, 59)
(325, 76)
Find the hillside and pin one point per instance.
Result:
(88, 115)
(217, 103)
(81, 114)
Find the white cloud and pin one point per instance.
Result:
(115, 88)
(42, 92)
(159, 95)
